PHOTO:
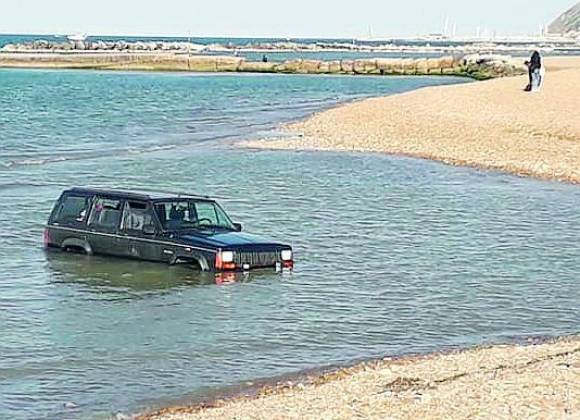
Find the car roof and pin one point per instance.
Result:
(137, 194)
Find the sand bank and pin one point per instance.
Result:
(492, 124)
(535, 381)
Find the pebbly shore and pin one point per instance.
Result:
(490, 125)
(539, 380)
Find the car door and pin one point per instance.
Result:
(104, 224)
(139, 228)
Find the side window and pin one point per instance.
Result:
(136, 217)
(106, 213)
(206, 212)
(176, 214)
(73, 209)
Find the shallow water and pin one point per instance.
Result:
(69, 115)
(394, 255)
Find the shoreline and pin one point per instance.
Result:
(305, 390)
(491, 125)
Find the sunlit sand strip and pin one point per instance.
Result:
(492, 124)
(536, 381)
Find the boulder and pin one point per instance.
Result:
(258, 67)
(390, 65)
(409, 66)
(311, 66)
(228, 63)
(334, 67)
(202, 63)
(324, 67)
(347, 66)
(290, 66)
(9, 47)
(365, 66)
(433, 65)
(421, 66)
(447, 62)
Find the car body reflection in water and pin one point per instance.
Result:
(135, 278)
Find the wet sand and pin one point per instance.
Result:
(492, 124)
(533, 381)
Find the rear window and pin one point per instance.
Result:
(106, 213)
(73, 209)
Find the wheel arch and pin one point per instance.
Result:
(196, 258)
(76, 243)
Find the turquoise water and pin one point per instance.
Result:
(394, 255)
(51, 116)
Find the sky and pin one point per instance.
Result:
(291, 18)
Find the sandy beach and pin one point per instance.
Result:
(492, 124)
(532, 381)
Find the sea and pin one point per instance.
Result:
(394, 255)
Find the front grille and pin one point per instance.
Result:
(257, 258)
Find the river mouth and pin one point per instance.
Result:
(393, 255)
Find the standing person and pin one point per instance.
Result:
(535, 72)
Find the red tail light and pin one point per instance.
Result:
(218, 260)
(288, 264)
(221, 265)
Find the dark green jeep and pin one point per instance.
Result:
(174, 228)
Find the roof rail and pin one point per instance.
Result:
(148, 190)
(179, 194)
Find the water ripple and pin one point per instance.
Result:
(393, 255)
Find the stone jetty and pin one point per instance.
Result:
(475, 66)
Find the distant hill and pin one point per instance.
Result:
(567, 22)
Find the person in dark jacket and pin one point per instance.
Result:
(534, 72)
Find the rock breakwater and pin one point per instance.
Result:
(475, 66)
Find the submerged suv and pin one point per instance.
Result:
(158, 226)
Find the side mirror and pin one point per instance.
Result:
(149, 230)
(238, 227)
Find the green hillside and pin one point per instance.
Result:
(567, 22)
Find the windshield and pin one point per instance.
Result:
(192, 214)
